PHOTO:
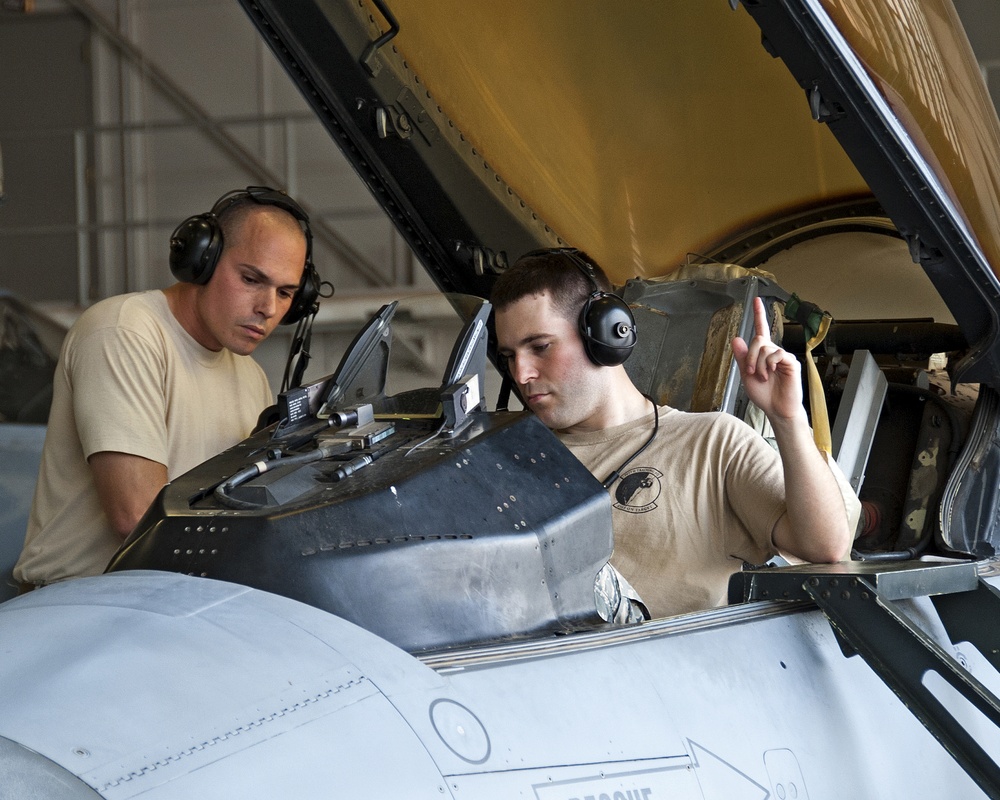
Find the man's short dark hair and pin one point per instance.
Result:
(233, 217)
(555, 271)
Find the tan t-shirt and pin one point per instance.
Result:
(130, 379)
(691, 508)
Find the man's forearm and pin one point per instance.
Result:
(815, 527)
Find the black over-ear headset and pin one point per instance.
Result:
(196, 245)
(606, 324)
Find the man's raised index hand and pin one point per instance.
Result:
(761, 359)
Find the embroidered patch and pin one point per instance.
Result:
(638, 489)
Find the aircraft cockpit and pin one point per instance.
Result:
(421, 516)
(408, 510)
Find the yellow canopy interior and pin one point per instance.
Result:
(644, 130)
(922, 63)
(638, 131)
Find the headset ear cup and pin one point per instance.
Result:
(195, 247)
(305, 298)
(608, 329)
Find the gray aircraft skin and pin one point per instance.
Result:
(399, 602)
(163, 686)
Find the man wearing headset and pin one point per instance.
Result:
(150, 384)
(694, 495)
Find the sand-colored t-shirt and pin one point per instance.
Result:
(700, 501)
(130, 379)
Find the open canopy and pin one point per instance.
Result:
(643, 132)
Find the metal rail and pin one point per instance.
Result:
(858, 600)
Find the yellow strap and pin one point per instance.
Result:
(817, 400)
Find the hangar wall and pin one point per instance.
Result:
(126, 116)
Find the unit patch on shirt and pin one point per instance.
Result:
(638, 489)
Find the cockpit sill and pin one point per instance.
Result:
(956, 575)
(438, 525)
